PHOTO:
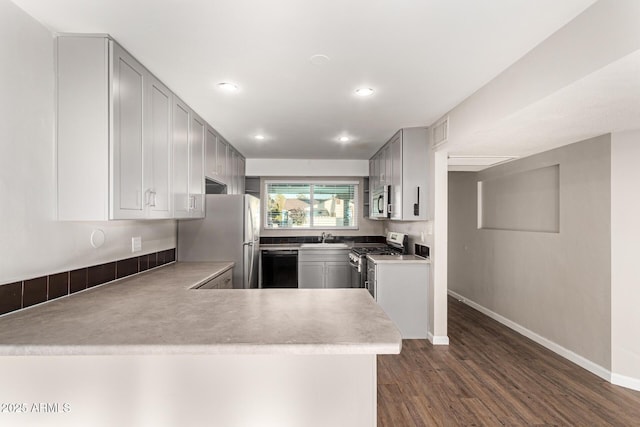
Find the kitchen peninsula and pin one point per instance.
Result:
(150, 350)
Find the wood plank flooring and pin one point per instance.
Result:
(490, 375)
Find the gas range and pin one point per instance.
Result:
(396, 245)
(375, 250)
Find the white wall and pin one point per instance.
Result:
(604, 33)
(307, 167)
(625, 275)
(32, 243)
(555, 285)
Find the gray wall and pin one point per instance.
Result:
(557, 285)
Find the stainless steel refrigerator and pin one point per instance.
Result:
(230, 231)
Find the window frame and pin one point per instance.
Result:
(312, 184)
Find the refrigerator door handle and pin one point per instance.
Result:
(250, 267)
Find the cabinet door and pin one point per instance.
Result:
(310, 275)
(196, 166)
(388, 165)
(127, 137)
(221, 160)
(157, 150)
(380, 167)
(337, 274)
(396, 176)
(232, 180)
(241, 174)
(211, 154)
(180, 159)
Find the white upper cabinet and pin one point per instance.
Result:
(402, 165)
(241, 174)
(157, 146)
(232, 181)
(222, 149)
(196, 166)
(188, 162)
(223, 163)
(127, 147)
(128, 99)
(181, 122)
(211, 155)
(113, 133)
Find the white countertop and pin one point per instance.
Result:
(399, 259)
(157, 313)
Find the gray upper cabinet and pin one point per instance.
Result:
(196, 166)
(128, 95)
(402, 165)
(113, 128)
(157, 146)
(127, 147)
(181, 122)
(222, 150)
(188, 162)
(211, 154)
(224, 164)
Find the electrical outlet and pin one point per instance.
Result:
(136, 244)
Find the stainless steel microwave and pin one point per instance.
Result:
(379, 202)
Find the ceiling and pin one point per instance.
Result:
(422, 58)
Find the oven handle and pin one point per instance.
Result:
(355, 265)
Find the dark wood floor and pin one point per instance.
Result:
(491, 375)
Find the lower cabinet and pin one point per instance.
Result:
(337, 274)
(311, 275)
(222, 281)
(323, 269)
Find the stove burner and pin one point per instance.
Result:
(376, 250)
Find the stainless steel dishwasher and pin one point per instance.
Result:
(279, 268)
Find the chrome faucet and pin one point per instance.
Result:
(325, 236)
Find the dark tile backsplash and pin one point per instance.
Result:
(34, 291)
(10, 297)
(58, 285)
(127, 267)
(14, 296)
(102, 273)
(316, 238)
(77, 280)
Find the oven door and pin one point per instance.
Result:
(380, 202)
(357, 276)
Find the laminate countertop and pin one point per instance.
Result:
(157, 312)
(398, 259)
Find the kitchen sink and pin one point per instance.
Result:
(324, 245)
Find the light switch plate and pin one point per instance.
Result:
(136, 244)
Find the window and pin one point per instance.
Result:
(323, 204)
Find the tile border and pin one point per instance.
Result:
(79, 279)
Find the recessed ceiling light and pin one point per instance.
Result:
(259, 137)
(364, 91)
(228, 87)
(344, 139)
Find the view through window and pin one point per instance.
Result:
(311, 204)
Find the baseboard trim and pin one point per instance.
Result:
(437, 339)
(624, 381)
(556, 348)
